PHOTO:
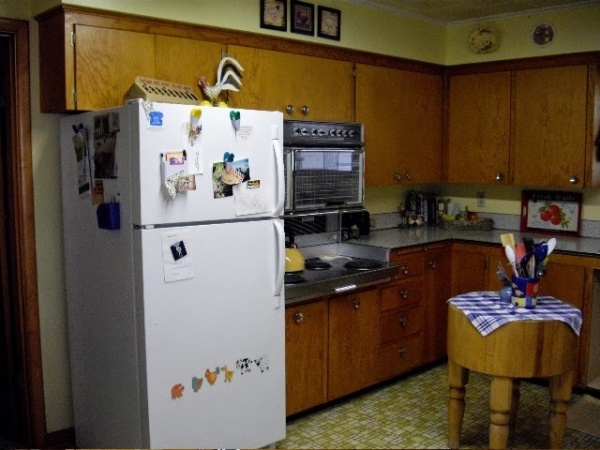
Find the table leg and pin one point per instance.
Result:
(458, 377)
(514, 406)
(560, 393)
(500, 401)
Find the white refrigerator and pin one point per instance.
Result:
(174, 256)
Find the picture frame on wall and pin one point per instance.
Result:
(551, 212)
(273, 14)
(330, 23)
(302, 18)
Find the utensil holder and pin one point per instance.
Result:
(524, 291)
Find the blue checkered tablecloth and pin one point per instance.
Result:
(487, 313)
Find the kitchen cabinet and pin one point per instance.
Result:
(303, 87)
(437, 276)
(353, 342)
(551, 107)
(474, 267)
(306, 341)
(402, 114)
(183, 60)
(479, 128)
(402, 308)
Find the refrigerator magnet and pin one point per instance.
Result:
(178, 263)
(177, 391)
(178, 250)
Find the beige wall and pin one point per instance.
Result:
(378, 31)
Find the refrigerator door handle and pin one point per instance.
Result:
(279, 262)
(278, 153)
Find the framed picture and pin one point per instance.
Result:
(551, 212)
(330, 23)
(273, 14)
(302, 18)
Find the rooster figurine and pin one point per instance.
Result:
(229, 78)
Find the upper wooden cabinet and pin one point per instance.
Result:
(531, 122)
(107, 63)
(551, 126)
(402, 114)
(303, 87)
(479, 128)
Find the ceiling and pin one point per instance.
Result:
(464, 10)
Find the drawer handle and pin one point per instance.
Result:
(402, 352)
(403, 321)
(405, 270)
(404, 293)
(433, 264)
(356, 304)
(298, 318)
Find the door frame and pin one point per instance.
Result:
(21, 223)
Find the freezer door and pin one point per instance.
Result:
(214, 334)
(233, 162)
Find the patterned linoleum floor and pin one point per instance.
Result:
(412, 413)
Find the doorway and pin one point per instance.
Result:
(22, 409)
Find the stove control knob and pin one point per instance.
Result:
(351, 133)
(304, 131)
(321, 132)
(296, 131)
(344, 133)
(314, 132)
(338, 132)
(332, 132)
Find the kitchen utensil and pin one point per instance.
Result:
(541, 255)
(551, 245)
(508, 239)
(502, 275)
(294, 260)
(520, 254)
(510, 255)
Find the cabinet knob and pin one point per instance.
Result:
(405, 270)
(404, 293)
(289, 109)
(574, 179)
(298, 318)
(432, 264)
(403, 321)
(398, 177)
(402, 352)
(408, 176)
(305, 110)
(356, 304)
(499, 176)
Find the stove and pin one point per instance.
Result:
(335, 276)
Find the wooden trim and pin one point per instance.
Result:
(570, 59)
(129, 22)
(21, 225)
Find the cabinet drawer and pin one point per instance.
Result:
(411, 264)
(401, 356)
(400, 324)
(402, 294)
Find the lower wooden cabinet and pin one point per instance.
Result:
(353, 342)
(306, 356)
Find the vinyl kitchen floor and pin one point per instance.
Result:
(412, 413)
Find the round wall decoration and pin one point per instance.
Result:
(543, 34)
(484, 39)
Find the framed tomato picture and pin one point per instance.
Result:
(551, 212)
(330, 23)
(303, 18)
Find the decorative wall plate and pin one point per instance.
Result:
(484, 39)
(543, 34)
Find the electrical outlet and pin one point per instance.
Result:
(481, 199)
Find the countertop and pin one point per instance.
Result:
(403, 238)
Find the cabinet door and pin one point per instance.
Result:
(353, 342)
(183, 61)
(273, 80)
(479, 128)
(550, 126)
(106, 64)
(402, 114)
(469, 266)
(438, 273)
(305, 356)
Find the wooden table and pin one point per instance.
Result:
(520, 349)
